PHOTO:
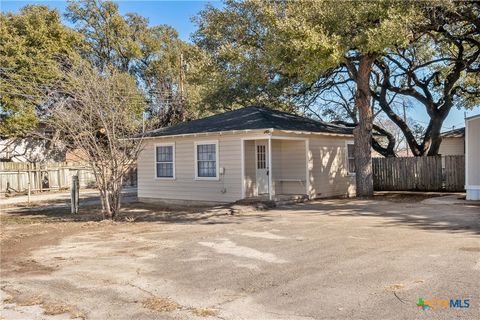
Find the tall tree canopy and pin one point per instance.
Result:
(154, 55)
(33, 47)
(264, 42)
(306, 42)
(172, 74)
(438, 71)
(112, 39)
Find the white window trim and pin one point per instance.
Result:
(215, 142)
(165, 144)
(346, 157)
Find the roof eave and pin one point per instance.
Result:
(246, 131)
(198, 134)
(472, 117)
(315, 133)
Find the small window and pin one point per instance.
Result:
(351, 158)
(165, 155)
(206, 160)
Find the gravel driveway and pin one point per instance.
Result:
(330, 259)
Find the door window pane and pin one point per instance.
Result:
(261, 157)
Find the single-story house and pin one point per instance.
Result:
(453, 143)
(246, 153)
(472, 157)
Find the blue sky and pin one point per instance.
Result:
(175, 13)
(178, 14)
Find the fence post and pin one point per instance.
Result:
(59, 179)
(29, 185)
(75, 194)
(18, 181)
(37, 178)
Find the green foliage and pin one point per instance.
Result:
(155, 56)
(111, 39)
(444, 58)
(241, 72)
(272, 51)
(311, 37)
(33, 44)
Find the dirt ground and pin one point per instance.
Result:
(328, 259)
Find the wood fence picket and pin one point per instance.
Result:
(433, 173)
(48, 176)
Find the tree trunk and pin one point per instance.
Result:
(363, 131)
(107, 209)
(115, 197)
(435, 136)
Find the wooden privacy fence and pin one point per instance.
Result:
(419, 173)
(454, 173)
(18, 176)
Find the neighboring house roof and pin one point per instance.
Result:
(455, 133)
(250, 118)
(472, 117)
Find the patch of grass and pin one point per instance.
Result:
(55, 309)
(395, 287)
(51, 309)
(32, 301)
(470, 249)
(16, 219)
(8, 300)
(204, 312)
(160, 304)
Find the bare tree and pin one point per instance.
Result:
(99, 114)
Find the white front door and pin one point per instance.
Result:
(261, 153)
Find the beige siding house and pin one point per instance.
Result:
(253, 152)
(472, 157)
(453, 143)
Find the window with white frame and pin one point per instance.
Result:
(206, 156)
(350, 158)
(165, 161)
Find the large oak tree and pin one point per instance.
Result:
(290, 41)
(166, 68)
(34, 45)
(438, 71)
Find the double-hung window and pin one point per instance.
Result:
(165, 161)
(350, 158)
(206, 160)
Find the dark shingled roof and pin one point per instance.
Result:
(455, 133)
(250, 118)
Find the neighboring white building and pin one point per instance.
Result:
(41, 146)
(472, 157)
(24, 150)
(28, 149)
(250, 152)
